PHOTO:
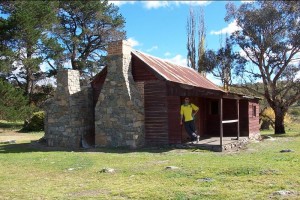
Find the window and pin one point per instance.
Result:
(214, 108)
(253, 111)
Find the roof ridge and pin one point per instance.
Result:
(180, 67)
(165, 60)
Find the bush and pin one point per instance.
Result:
(295, 112)
(13, 104)
(35, 123)
(267, 118)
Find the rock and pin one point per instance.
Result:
(270, 138)
(71, 169)
(283, 192)
(171, 168)
(205, 179)
(286, 151)
(107, 170)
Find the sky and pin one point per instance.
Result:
(159, 27)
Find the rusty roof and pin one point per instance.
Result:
(176, 73)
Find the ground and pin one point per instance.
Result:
(31, 171)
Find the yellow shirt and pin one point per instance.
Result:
(187, 111)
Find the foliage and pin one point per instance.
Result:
(24, 39)
(38, 34)
(268, 116)
(295, 113)
(84, 30)
(13, 104)
(270, 38)
(196, 27)
(35, 123)
(222, 62)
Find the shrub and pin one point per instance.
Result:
(295, 112)
(35, 123)
(267, 117)
(13, 104)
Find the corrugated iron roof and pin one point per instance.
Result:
(176, 73)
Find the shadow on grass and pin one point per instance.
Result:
(264, 136)
(11, 125)
(37, 147)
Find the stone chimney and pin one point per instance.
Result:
(119, 112)
(68, 83)
(69, 115)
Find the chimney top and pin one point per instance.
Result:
(119, 47)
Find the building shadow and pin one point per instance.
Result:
(35, 146)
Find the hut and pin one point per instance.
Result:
(135, 101)
(162, 86)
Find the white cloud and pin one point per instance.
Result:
(298, 75)
(167, 54)
(133, 42)
(47, 81)
(152, 48)
(161, 4)
(155, 4)
(247, 1)
(192, 3)
(243, 54)
(178, 59)
(229, 29)
(120, 3)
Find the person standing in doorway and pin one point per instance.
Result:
(188, 111)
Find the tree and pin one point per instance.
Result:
(267, 118)
(196, 28)
(191, 41)
(222, 62)
(13, 104)
(85, 29)
(24, 34)
(201, 43)
(270, 38)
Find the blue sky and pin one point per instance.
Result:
(159, 27)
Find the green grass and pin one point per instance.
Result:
(10, 125)
(31, 172)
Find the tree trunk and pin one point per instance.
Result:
(279, 121)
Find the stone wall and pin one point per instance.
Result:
(69, 115)
(119, 112)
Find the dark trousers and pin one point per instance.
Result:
(190, 128)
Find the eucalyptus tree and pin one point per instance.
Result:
(270, 39)
(221, 63)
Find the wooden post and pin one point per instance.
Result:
(238, 118)
(221, 121)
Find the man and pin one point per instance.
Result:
(188, 111)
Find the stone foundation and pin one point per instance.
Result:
(119, 112)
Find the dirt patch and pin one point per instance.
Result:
(8, 135)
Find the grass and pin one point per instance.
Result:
(31, 172)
